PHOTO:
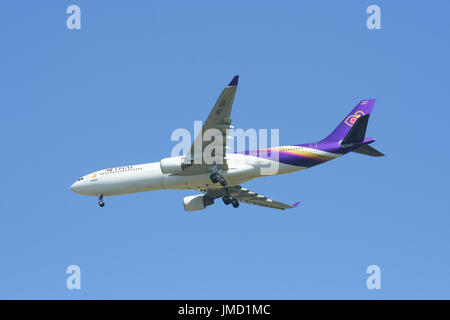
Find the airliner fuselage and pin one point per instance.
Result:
(148, 176)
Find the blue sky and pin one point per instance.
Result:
(110, 94)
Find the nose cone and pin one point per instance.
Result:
(75, 187)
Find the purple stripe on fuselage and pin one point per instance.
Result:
(304, 160)
(299, 160)
(285, 157)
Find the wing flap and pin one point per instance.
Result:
(247, 196)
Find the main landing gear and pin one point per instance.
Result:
(100, 200)
(217, 177)
(228, 199)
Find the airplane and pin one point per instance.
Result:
(223, 179)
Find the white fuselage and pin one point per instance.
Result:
(148, 177)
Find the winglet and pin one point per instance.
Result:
(234, 82)
(296, 204)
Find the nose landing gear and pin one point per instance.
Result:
(100, 200)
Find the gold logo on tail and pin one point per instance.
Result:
(351, 119)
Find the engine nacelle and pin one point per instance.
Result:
(171, 165)
(197, 202)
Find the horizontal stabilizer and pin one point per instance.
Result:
(369, 151)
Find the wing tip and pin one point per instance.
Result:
(296, 204)
(234, 81)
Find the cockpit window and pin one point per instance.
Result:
(80, 179)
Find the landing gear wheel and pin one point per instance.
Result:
(222, 181)
(217, 177)
(100, 200)
(235, 203)
(214, 177)
(226, 200)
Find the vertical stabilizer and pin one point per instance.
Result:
(363, 108)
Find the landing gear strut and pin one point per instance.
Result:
(100, 200)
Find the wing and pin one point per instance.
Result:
(247, 196)
(219, 119)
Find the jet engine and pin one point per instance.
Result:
(171, 165)
(197, 202)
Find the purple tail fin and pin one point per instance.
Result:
(364, 107)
